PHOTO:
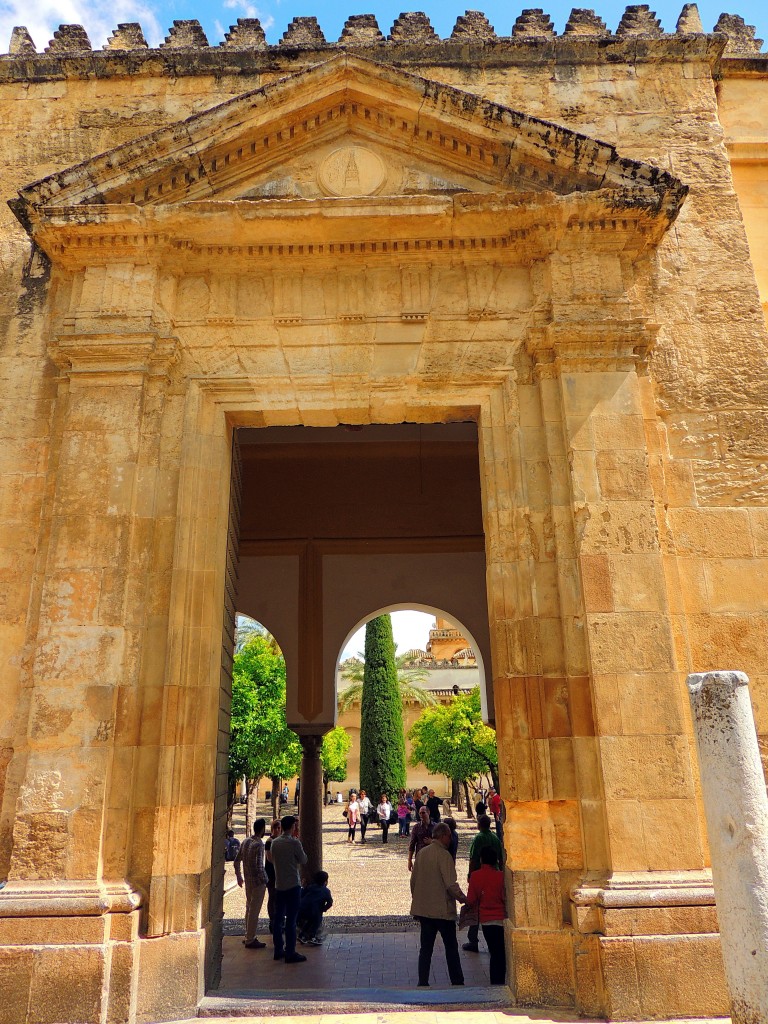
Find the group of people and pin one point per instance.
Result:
(435, 891)
(273, 869)
(359, 811)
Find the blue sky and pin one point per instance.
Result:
(43, 16)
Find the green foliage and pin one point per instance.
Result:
(451, 739)
(333, 755)
(408, 680)
(382, 741)
(261, 744)
(246, 628)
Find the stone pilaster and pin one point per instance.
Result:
(649, 893)
(72, 847)
(538, 687)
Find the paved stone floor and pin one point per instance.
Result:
(463, 1016)
(379, 960)
(406, 1016)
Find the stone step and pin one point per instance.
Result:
(308, 1002)
(437, 1015)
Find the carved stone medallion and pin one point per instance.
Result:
(351, 171)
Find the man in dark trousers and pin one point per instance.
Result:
(434, 892)
(288, 857)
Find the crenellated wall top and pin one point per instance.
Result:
(186, 50)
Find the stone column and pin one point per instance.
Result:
(311, 802)
(736, 808)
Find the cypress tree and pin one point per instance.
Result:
(382, 740)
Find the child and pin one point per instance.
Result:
(315, 900)
(232, 847)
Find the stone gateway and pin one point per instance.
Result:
(556, 241)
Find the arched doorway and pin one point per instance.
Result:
(311, 557)
(370, 928)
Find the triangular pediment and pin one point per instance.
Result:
(347, 128)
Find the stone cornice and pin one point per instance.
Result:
(514, 226)
(615, 342)
(745, 151)
(499, 52)
(744, 67)
(82, 355)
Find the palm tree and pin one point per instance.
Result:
(245, 628)
(408, 680)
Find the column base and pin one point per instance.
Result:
(647, 946)
(71, 951)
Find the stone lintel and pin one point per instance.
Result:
(67, 898)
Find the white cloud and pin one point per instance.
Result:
(43, 17)
(245, 9)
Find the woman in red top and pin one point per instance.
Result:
(486, 891)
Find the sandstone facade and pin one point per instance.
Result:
(413, 230)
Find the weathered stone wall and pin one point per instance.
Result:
(626, 512)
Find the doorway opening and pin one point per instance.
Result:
(334, 521)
